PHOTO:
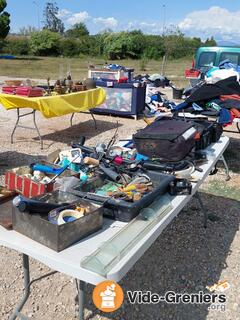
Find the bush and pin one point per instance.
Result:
(124, 45)
(69, 47)
(45, 43)
(16, 45)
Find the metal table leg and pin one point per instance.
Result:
(71, 119)
(238, 127)
(222, 158)
(81, 287)
(92, 115)
(17, 125)
(203, 208)
(17, 311)
(27, 284)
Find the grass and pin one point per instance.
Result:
(43, 67)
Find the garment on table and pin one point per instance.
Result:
(230, 96)
(230, 103)
(58, 105)
(214, 75)
(227, 64)
(235, 112)
(225, 117)
(207, 92)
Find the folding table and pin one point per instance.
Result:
(69, 260)
(53, 106)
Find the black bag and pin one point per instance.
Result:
(166, 139)
(205, 130)
(210, 132)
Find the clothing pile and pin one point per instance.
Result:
(220, 99)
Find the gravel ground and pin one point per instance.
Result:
(185, 258)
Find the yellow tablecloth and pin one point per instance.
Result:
(59, 105)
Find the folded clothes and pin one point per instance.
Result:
(230, 103)
(230, 96)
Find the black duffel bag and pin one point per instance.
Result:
(166, 139)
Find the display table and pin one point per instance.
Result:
(53, 106)
(69, 260)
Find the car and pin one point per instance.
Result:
(207, 57)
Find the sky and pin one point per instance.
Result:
(204, 18)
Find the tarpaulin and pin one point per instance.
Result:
(58, 105)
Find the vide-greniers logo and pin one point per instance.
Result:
(108, 296)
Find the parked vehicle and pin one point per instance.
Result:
(207, 57)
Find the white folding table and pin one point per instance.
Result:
(69, 260)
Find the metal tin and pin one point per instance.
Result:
(38, 228)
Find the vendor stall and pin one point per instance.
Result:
(53, 106)
(111, 252)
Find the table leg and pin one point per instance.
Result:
(35, 124)
(203, 208)
(81, 285)
(71, 119)
(222, 158)
(94, 119)
(15, 127)
(238, 127)
(26, 273)
(92, 115)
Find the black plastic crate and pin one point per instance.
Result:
(119, 209)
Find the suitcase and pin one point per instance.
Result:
(166, 139)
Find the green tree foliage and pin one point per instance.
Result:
(51, 20)
(77, 31)
(124, 45)
(210, 42)
(16, 45)
(4, 20)
(45, 43)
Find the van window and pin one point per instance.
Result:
(207, 59)
(232, 56)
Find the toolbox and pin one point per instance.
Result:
(58, 237)
(119, 209)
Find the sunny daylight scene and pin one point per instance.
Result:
(120, 160)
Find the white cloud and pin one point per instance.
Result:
(146, 27)
(215, 21)
(63, 13)
(110, 22)
(74, 18)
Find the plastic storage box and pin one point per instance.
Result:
(119, 209)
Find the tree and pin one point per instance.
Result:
(27, 31)
(124, 44)
(77, 31)
(44, 43)
(210, 42)
(4, 20)
(51, 20)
